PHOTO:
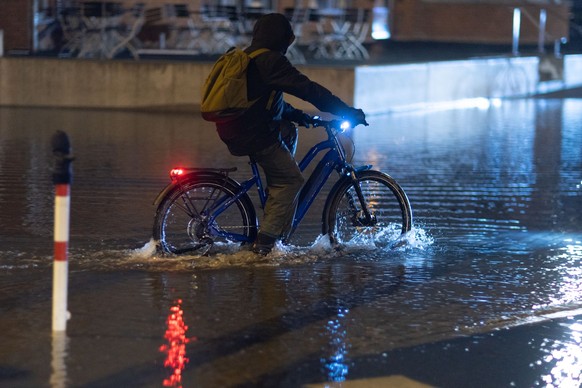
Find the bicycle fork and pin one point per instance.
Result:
(361, 217)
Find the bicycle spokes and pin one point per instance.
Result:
(377, 215)
(200, 214)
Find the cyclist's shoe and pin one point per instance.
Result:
(263, 244)
(262, 250)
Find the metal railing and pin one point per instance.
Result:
(543, 36)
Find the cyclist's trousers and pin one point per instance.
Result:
(284, 180)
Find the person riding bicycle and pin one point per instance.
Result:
(266, 133)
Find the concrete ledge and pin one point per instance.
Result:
(385, 88)
(124, 84)
(48, 82)
(381, 89)
(99, 84)
(573, 70)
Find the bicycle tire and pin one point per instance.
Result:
(386, 201)
(180, 224)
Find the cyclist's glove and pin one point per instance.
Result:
(355, 116)
(301, 119)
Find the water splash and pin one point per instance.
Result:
(229, 255)
(145, 252)
(418, 238)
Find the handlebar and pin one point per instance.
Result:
(340, 125)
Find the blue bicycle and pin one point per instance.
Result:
(205, 206)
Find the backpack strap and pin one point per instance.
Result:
(258, 52)
(255, 54)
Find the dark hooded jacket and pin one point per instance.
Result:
(269, 75)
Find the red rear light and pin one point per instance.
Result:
(176, 173)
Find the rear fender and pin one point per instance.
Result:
(193, 176)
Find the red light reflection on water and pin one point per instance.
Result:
(175, 349)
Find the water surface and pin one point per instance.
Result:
(497, 242)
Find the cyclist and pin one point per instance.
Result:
(265, 131)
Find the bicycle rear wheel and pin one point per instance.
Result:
(390, 214)
(190, 218)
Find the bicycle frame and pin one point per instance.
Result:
(202, 195)
(334, 159)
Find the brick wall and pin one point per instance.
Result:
(472, 21)
(422, 20)
(16, 21)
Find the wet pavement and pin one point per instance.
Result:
(486, 292)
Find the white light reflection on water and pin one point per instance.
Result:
(568, 285)
(571, 284)
(574, 249)
(423, 108)
(59, 355)
(567, 355)
(336, 364)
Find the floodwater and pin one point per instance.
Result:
(496, 192)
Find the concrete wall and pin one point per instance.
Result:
(176, 86)
(573, 70)
(381, 89)
(385, 88)
(99, 84)
(124, 84)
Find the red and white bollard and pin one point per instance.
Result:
(62, 176)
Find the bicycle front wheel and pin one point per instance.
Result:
(381, 215)
(198, 214)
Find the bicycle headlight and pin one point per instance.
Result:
(345, 125)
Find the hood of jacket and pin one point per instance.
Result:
(273, 31)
